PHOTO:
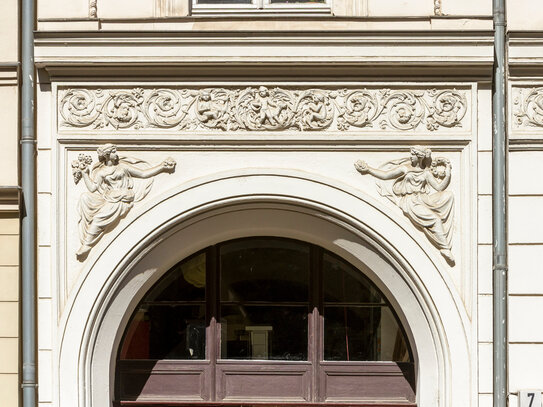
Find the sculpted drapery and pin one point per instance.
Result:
(419, 190)
(112, 191)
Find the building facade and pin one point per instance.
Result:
(282, 202)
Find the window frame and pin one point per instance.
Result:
(261, 8)
(316, 367)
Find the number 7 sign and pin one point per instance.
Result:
(530, 398)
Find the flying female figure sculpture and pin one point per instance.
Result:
(414, 178)
(111, 191)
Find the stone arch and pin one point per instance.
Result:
(257, 203)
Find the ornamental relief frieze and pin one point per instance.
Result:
(527, 108)
(262, 108)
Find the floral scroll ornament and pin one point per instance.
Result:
(113, 187)
(404, 110)
(359, 110)
(419, 189)
(262, 109)
(121, 109)
(448, 109)
(164, 109)
(78, 108)
(530, 111)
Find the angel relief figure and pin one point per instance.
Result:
(266, 108)
(206, 108)
(414, 179)
(262, 109)
(112, 191)
(212, 109)
(313, 111)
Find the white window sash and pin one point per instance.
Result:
(260, 7)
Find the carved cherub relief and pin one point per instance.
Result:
(112, 191)
(264, 109)
(419, 190)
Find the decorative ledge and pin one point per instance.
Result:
(9, 198)
(419, 54)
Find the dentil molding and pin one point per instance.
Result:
(262, 108)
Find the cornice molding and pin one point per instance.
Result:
(9, 198)
(295, 71)
(9, 73)
(470, 54)
(525, 54)
(423, 36)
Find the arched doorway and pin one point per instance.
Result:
(264, 319)
(297, 206)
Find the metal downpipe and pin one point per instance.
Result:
(28, 210)
(499, 206)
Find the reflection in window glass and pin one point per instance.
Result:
(358, 324)
(362, 334)
(344, 283)
(170, 322)
(264, 270)
(262, 305)
(185, 282)
(166, 332)
(264, 332)
(264, 299)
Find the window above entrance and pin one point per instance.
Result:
(222, 7)
(251, 316)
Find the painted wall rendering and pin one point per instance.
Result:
(362, 127)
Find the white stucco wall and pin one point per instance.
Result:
(462, 294)
(300, 166)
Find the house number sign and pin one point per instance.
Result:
(530, 398)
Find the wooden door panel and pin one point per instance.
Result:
(164, 380)
(284, 383)
(380, 381)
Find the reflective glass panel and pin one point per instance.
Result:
(185, 282)
(344, 283)
(264, 299)
(264, 332)
(358, 323)
(363, 334)
(166, 332)
(170, 321)
(264, 270)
